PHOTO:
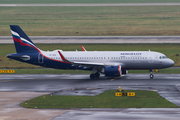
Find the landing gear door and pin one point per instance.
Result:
(40, 58)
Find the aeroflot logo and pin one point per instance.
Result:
(130, 53)
(20, 39)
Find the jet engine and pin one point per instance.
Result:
(112, 71)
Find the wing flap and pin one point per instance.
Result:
(88, 63)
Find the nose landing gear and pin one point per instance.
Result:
(151, 74)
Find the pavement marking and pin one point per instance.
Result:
(117, 77)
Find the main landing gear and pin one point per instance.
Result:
(151, 74)
(95, 75)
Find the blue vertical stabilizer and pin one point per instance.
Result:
(21, 41)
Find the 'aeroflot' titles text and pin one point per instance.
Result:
(130, 53)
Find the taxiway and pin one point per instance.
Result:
(167, 85)
(92, 4)
(96, 39)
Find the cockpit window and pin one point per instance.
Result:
(163, 57)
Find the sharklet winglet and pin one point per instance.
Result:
(62, 57)
(83, 48)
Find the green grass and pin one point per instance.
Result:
(47, 71)
(85, 1)
(92, 21)
(58, 71)
(143, 99)
(171, 50)
(170, 71)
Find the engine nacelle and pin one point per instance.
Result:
(113, 71)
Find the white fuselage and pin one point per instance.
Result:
(127, 59)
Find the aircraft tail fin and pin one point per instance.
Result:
(21, 41)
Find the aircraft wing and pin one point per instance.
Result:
(90, 64)
(96, 65)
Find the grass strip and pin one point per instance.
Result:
(48, 71)
(143, 99)
(57, 71)
(92, 20)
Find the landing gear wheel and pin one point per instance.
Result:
(151, 76)
(92, 76)
(97, 75)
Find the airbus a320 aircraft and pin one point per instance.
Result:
(110, 63)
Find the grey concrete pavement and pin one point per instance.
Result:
(10, 108)
(93, 4)
(167, 85)
(122, 114)
(97, 39)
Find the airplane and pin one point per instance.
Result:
(110, 63)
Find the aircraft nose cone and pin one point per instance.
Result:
(171, 63)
